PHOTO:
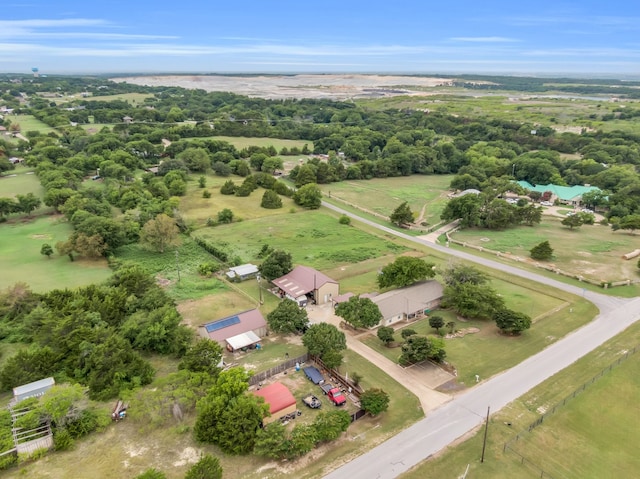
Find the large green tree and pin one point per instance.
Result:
(573, 221)
(160, 233)
(277, 264)
(308, 196)
(511, 322)
(359, 312)
(405, 271)
(203, 356)
(402, 215)
(420, 348)
(288, 317)
(542, 251)
(374, 401)
(322, 338)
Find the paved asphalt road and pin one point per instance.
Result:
(444, 425)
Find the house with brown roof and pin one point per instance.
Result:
(280, 400)
(242, 330)
(304, 284)
(409, 303)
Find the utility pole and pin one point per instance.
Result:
(177, 266)
(486, 428)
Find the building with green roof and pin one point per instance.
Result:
(569, 195)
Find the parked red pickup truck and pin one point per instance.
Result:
(334, 394)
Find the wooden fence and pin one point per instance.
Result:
(288, 364)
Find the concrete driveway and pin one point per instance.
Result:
(421, 381)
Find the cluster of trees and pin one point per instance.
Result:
(415, 348)
(487, 211)
(467, 290)
(63, 407)
(92, 335)
(275, 442)
(25, 204)
(325, 341)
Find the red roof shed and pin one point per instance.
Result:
(279, 399)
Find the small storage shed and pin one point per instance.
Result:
(32, 390)
(280, 400)
(242, 272)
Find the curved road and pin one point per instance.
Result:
(466, 411)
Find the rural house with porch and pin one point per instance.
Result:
(304, 284)
(409, 303)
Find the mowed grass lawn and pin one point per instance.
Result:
(593, 251)
(383, 195)
(20, 258)
(594, 435)
(314, 238)
(488, 352)
(30, 123)
(133, 98)
(241, 142)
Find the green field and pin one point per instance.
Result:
(21, 260)
(241, 142)
(594, 435)
(31, 123)
(541, 109)
(177, 273)
(383, 195)
(314, 238)
(592, 251)
(132, 98)
(196, 209)
(24, 181)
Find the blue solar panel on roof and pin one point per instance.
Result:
(223, 323)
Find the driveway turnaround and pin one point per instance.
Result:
(466, 411)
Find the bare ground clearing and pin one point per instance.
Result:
(337, 87)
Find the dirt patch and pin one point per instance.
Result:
(462, 333)
(336, 87)
(189, 455)
(40, 237)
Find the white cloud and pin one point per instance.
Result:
(485, 39)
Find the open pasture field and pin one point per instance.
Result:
(593, 251)
(131, 98)
(599, 434)
(25, 181)
(196, 209)
(30, 123)
(21, 260)
(548, 108)
(383, 195)
(314, 238)
(594, 435)
(241, 142)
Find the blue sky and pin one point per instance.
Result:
(403, 36)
